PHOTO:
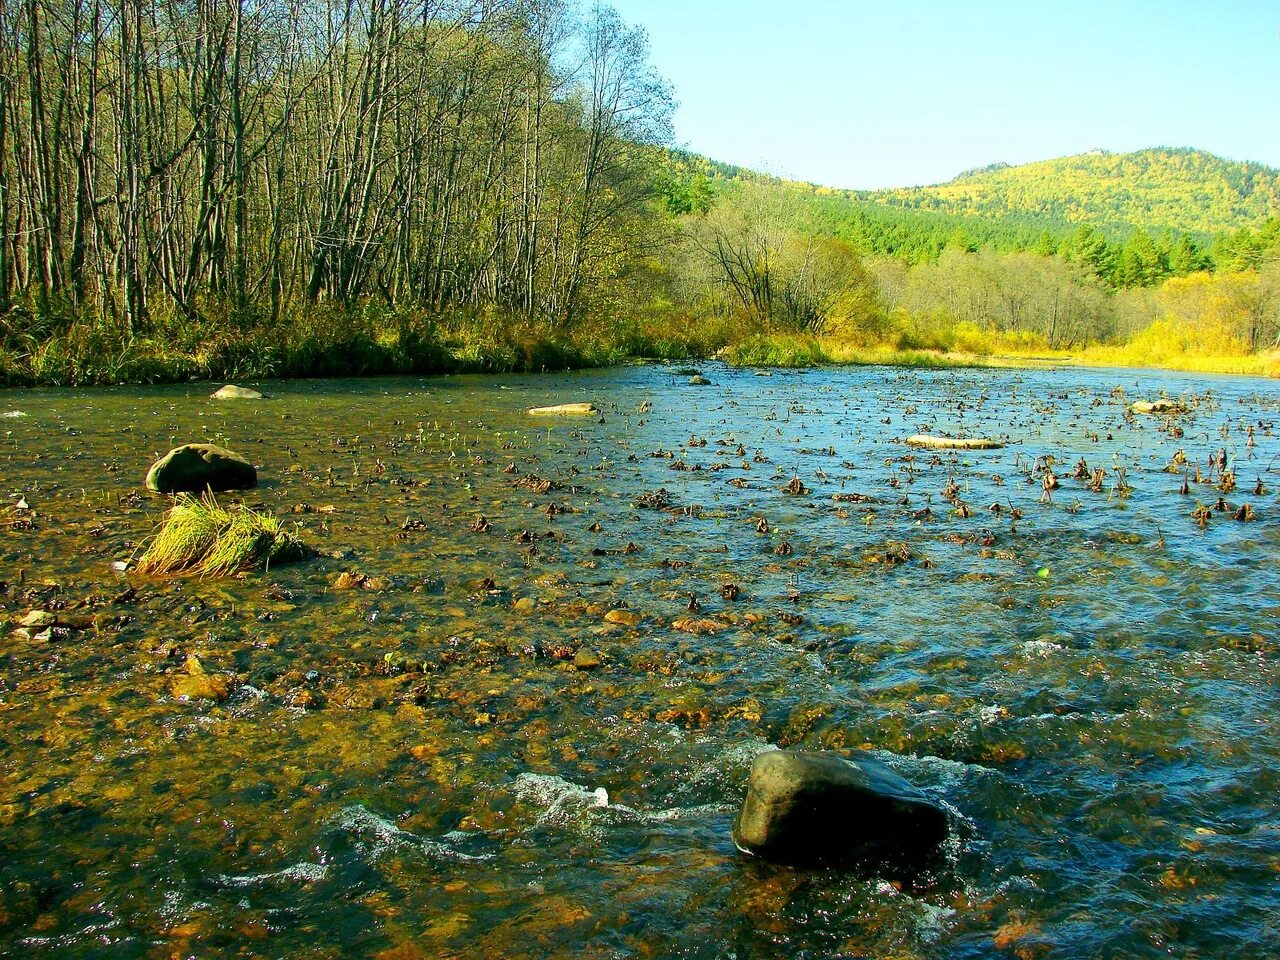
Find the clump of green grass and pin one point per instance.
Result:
(200, 536)
(777, 350)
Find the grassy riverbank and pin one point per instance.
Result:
(317, 342)
(328, 342)
(794, 351)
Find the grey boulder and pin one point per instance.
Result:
(197, 467)
(821, 809)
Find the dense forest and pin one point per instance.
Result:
(258, 189)
(175, 170)
(1179, 189)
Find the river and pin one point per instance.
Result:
(462, 757)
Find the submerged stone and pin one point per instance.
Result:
(821, 809)
(196, 467)
(38, 619)
(232, 392)
(623, 618)
(200, 686)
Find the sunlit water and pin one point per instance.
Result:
(420, 770)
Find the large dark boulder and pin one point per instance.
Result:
(820, 809)
(197, 467)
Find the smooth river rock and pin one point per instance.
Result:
(232, 392)
(623, 618)
(197, 467)
(952, 443)
(200, 686)
(566, 410)
(38, 620)
(1164, 405)
(821, 809)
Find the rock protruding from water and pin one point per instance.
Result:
(698, 380)
(196, 467)
(566, 410)
(232, 392)
(1164, 405)
(952, 443)
(820, 809)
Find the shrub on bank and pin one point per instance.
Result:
(317, 341)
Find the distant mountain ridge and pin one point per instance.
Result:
(1159, 188)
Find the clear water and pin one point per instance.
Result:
(1092, 687)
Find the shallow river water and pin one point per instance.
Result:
(462, 757)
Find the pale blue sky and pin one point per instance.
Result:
(901, 92)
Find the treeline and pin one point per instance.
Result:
(1121, 257)
(179, 167)
(756, 255)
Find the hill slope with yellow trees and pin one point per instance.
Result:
(1181, 189)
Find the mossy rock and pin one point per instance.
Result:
(196, 467)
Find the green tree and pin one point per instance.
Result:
(1186, 257)
(1139, 263)
(1088, 248)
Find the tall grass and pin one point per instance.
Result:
(793, 350)
(777, 350)
(319, 341)
(200, 536)
(50, 344)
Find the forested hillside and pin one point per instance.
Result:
(1120, 254)
(1156, 189)
(842, 273)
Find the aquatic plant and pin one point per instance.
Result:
(200, 536)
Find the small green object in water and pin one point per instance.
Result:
(199, 536)
(1043, 573)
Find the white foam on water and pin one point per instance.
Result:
(745, 753)
(931, 921)
(725, 773)
(946, 774)
(12, 414)
(383, 836)
(990, 713)
(564, 802)
(673, 813)
(298, 873)
(571, 805)
(1040, 648)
